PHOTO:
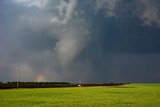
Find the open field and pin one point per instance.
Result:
(143, 95)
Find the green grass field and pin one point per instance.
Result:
(132, 95)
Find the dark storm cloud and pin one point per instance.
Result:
(41, 37)
(79, 40)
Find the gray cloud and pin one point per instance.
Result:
(32, 3)
(33, 24)
(66, 11)
(110, 6)
(149, 12)
(58, 40)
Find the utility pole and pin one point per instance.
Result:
(18, 77)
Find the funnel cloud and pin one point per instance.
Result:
(80, 40)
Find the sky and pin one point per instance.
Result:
(91, 41)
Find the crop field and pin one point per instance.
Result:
(131, 95)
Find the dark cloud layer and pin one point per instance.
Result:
(79, 40)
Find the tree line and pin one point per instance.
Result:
(9, 85)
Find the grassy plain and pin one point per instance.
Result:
(131, 95)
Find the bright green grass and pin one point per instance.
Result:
(132, 95)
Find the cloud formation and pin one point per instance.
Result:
(32, 3)
(109, 6)
(149, 12)
(64, 40)
(66, 11)
(65, 37)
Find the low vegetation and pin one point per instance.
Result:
(131, 95)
